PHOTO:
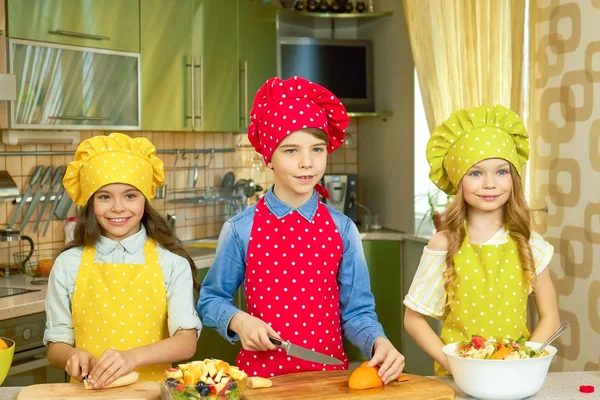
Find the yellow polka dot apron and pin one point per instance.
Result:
(490, 295)
(121, 306)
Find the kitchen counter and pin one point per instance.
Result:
(558, 386)
(22, 304)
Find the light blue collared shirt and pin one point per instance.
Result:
(227, 273)
(176, 271)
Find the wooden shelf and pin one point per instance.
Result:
(338, 15)
(381, 114)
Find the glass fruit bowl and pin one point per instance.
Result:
(208, 379)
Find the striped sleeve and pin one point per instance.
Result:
(426, 294)
(542, 252)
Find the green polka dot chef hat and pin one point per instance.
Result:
(116, 158)
(472, 135)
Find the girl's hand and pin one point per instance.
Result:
(79, 364)
(110, 366)
(253, 332)
(390, 361)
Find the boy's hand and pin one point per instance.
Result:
(79, 364)
(110, 366)
(254, 333)
(390, 361)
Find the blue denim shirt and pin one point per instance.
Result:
(227, 273)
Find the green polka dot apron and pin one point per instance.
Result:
(490, 295)
(121, 306)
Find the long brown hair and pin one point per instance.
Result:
(517, 220)
(87, 232)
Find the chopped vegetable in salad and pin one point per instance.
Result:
(493, 349)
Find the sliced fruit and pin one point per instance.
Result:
(364, 377)
(189, 378)
(403, 378)
(500, 354)
(255, 382)
(478, 341)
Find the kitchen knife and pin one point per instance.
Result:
(36, 197)
(57, 196)
(26, 193)
(303, 353)
(58, 175)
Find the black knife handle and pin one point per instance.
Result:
(276, 342)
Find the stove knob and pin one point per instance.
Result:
(26, 334)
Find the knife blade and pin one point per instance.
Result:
(57, 196)
(304, 353)
(26, 193)
(36, 197)
(58, 175)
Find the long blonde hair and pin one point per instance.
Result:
(516, 218)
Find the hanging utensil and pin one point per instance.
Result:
(58, 175)
(26, 193)
(228, 180)
(193, 176)
(63, 205)
(36, 197)
(57, 197)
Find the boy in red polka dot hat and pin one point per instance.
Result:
(301, 262)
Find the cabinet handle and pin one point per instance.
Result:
(245, 115)
(79, 117)
(192, 65)
(78, 34)
(201, 113)
(193, 80)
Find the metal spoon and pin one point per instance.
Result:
(563, 327)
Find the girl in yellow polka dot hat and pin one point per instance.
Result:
(120, 296)
(478, 270)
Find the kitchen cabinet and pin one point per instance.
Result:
(71, 87)
(166, 58)
(106, 24)
(211, 344)
(257, 43)
(385, 271)
(203, 61)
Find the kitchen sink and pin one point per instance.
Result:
(7, 292)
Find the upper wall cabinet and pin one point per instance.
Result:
(104, 24)
(71, 87)
(257, 41)
(168, 74)
(202, 62)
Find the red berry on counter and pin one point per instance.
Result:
(586, 389)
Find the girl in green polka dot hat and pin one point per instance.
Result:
(478, 270)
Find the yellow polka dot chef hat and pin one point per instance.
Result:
(472, 135)
(116, 158)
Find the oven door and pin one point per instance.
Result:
(32, 367)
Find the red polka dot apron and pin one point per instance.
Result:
(291, 284)
(121, 306)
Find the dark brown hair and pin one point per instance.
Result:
(318, 133)
(88, 231)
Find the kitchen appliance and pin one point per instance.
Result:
(30, 363)
(10, 242)
(343, 66)
(333, 385)
(303, 353)
(343, 191)
(141, 390)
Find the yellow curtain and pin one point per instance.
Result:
(467, 53)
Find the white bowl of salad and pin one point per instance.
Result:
(499, 369)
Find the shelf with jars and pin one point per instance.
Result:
(333, 8)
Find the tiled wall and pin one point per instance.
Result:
(193, 221)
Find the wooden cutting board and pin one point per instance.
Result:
(334, 385)
(141, 390)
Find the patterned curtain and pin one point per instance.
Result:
(467, 53)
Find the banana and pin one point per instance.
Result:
(256, 382)
(125, 380)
